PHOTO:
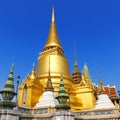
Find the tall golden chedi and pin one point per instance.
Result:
(34, 84)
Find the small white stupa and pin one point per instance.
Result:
(48, 97)
(47, 100)
(103, 99)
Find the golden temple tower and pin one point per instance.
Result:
(58, 62)
(33, 86)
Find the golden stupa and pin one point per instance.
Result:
(79, 85)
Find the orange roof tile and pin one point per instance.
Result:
(106, 89)
(112, 91)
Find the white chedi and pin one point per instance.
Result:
(104, 102)
(47, 100)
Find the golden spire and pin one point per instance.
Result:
(86, 75)
(53, 40)
(53, 16)
(33, 71)
(75, 61)
(86, 72)
(32, 75)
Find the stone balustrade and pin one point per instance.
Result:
(97, 114)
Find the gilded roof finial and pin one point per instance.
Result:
(53, 17)
(75, 61)
(85, 71)
(32, 75)
(49, 86)
(33, 71)
(87, 75)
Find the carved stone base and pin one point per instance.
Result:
(63, 115)
(9, 114)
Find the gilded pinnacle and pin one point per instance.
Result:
(53, 40)
(53, 17)
(33, 71)
(32, 75)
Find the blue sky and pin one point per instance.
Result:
(93, 25)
